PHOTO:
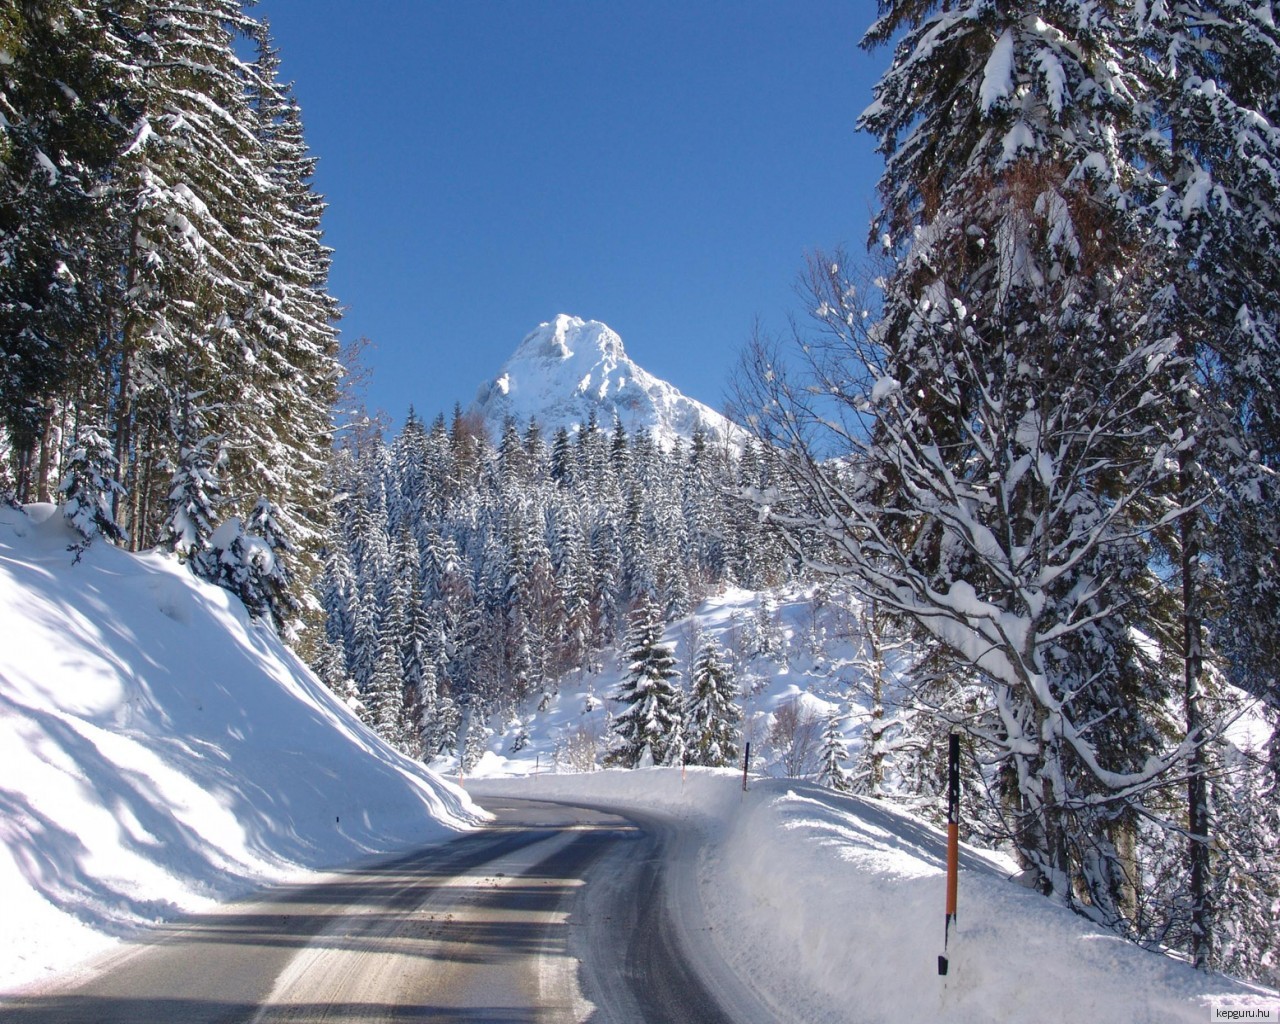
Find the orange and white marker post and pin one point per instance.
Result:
(953, 841)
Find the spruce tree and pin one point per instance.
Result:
(88, 488)
(833, 757)
(194, 491)
(1005, 425)
(62, 124)
(648, 726)
(712, 718)
(274, 583)
(1212, 197)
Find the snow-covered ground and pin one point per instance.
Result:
(792, 647)
(158, 751)
(834, 905)
(837, 902)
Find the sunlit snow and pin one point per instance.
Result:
(161, 751)
(569, 370)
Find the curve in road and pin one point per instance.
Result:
(553, 913)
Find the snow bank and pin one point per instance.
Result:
(835, 905)
(160, 751)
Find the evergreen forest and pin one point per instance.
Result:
(168, 346)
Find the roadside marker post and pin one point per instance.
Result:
(953, 842)
(746, 764)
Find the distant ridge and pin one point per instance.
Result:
(569, 368)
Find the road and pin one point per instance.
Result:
(554, 913)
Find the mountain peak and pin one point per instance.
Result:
(569, 369)
(566, 336)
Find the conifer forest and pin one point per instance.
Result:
(1028, 440)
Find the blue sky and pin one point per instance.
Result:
(661, 166)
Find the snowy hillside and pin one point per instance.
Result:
(570, 368)
(160, 751)
(836, 901)
(784, 649)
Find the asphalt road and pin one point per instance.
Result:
(555, 913)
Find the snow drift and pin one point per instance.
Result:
(832, 908)
(159, 750)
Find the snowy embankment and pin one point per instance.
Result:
(834, 906)
(159, 751)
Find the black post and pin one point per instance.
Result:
(746, 763)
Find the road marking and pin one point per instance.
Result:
(333, 968)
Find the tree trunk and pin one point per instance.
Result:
(1192, 658)
(48, 446)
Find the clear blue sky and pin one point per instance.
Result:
(661, 166)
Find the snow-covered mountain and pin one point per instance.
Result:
(569, 368)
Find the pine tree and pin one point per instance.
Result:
(249, 560)
(184, 190)
(291, 316)
(712, 718)
(833, 757)
(194, 491)
(60, 130)
(882, 730)
(1214, 189)
(1006, 424)
(88, 488)
(1245, 875)
(274, 583)
(647, 728)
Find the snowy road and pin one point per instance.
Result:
(554, 913)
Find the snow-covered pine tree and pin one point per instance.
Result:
(475, 734)
(290, 317)
(886, 717)
(384, 694)
(1245, 874)
(416, 639)
(571, 569)
(712, 723)
(1005, 424)
(88, 490)
(647, 728)
(184, 190)
(833, 757)
(275, 578)
(194, 491)
(242, 559)
(1210, 153)
(60, 131)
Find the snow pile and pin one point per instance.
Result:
(569, 369)
(834, 905)
(160, 751)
